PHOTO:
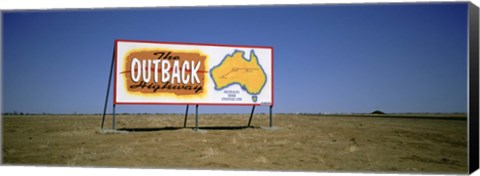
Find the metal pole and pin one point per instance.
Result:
(251, 115)
(270, 116)
(108, 88)
(196, 117)
(186, 114)
(113, 117)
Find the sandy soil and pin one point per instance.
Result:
(296, 143)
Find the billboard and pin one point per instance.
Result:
(186, 73)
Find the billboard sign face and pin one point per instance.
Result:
(183, 73)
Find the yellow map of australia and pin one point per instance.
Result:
(235, 69)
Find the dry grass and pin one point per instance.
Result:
(305, 143)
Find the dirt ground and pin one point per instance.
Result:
(295, 143)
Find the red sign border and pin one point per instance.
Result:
(193, 103)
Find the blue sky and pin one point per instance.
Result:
(330, 58)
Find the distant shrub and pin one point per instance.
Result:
(377, 112)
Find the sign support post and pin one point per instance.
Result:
(108, 88)
(271, 116)
(186, 114)
(251, 115)
(113, 118)
(196, 117)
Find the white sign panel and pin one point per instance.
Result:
(184, 73)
